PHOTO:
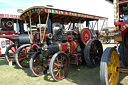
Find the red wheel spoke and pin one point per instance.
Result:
(59, 66)
(54, 69)
(15, 47)
(65, 63)
(21, 62)
(57, 60)
(22, 58)
(58, 72)
(63, 59)
(12, 50)
(37, 67)
(56, 64)
(63, 72)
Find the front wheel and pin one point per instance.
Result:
(38, 65)
(108, 67)
(59, 66)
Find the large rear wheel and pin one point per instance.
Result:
(123, 54)
(108, 67)
(10, 52)
(92, 52)
(59, 66)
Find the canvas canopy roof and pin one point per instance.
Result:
(58, 15)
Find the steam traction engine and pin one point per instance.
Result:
(58, 42)
(110, 64)
(10, 29)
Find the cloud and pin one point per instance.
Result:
(4, 1)
(93, 7)
(9, 11)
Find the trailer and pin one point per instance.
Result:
(10, 35)
(7, 28)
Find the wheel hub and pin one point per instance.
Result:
(61, 66)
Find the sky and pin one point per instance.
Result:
(93, 7)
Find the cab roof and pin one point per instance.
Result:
(58, 15)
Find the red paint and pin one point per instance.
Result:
(9, 16)
(124, 28)
(73, 45)
(35, 46)
(70, 37)
(0, 50)
(86, 35)
(64, 47)
(69, 48)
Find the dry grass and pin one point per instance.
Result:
(78, 75)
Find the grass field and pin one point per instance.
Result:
(78, 75)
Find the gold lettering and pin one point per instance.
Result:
(53, 11)
(79, 15)
(49, 10)
(66, 13)
(62, 12)
(70, 13)
(56, 11)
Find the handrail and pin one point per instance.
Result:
(45, 27)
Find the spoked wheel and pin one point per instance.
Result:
(59, 66)
(92, 52)
(38, 64)
(123, 54)
(10, 52)
(108, 67)
(23, 55)
(126, 40)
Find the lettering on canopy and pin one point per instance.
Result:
(54, 11)
(9, 16)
